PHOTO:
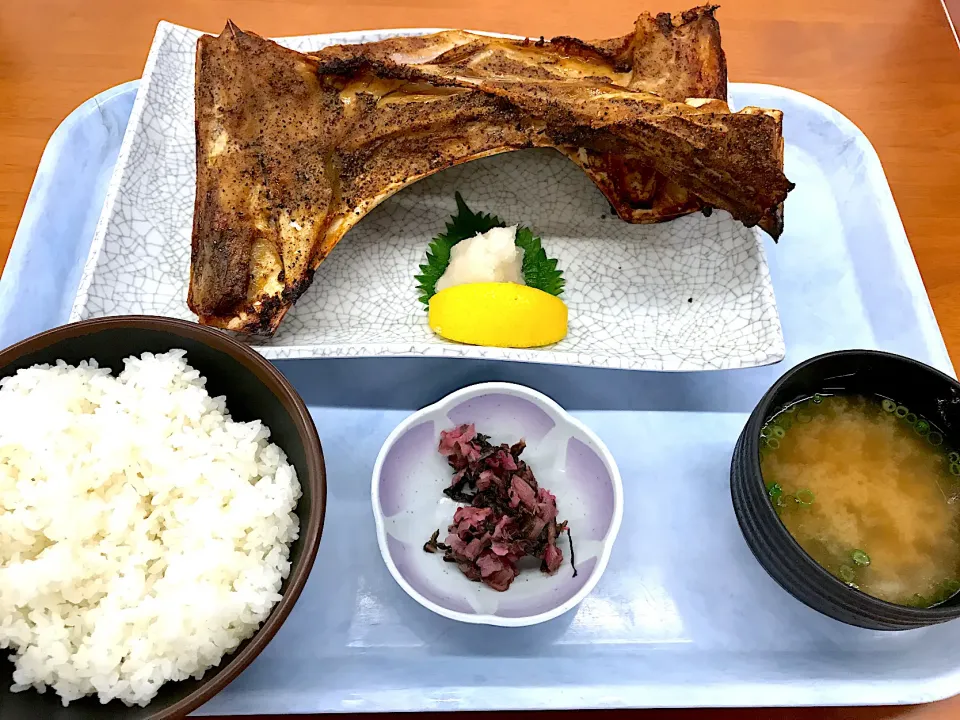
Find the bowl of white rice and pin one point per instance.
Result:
(162, 493)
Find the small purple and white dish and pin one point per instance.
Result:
(567, 458)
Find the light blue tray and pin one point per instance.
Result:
(684, 616)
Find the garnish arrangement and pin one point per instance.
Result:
(487, 283)
(539, 271)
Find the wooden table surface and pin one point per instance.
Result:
(892, 66)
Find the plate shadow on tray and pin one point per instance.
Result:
(412, 383)
(451, 637)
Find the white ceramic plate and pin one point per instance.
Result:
(692, 294)
(566, 457)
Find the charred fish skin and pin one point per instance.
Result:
(263, 189)
(220, 246)
(677, 57)
(286, 167)
(293, 149)
(537, 76)
(674, 56)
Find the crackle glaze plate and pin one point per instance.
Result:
(692, 294)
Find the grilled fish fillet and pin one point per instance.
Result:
(292, 150)
(674, 56)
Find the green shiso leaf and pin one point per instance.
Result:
(539, 271)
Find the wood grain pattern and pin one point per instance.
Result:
(952, 8)
(892, 66)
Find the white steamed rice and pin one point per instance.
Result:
(143, 532)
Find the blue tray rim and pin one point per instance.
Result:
(922, 690)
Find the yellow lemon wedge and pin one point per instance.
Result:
(498, 315)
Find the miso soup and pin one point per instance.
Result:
(870, 491)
